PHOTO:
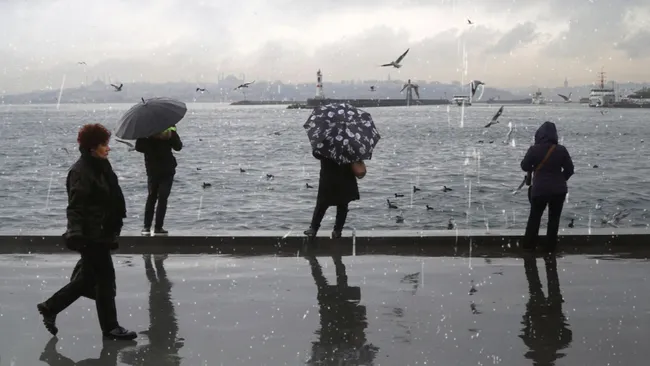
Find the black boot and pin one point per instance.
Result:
(311, 232)
(120, 334)
(336, 234)
(49, 319)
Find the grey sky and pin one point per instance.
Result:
(513, 43)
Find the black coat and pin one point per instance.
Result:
(337, 184)
(158, 157)
(96, 206)
(551, 178)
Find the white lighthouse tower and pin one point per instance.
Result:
(319, 85)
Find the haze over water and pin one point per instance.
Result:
(424, 146)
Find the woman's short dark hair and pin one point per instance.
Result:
(92, 135)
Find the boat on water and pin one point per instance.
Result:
(538, 98)
(509, 101)
(462, 99)
(602, 96)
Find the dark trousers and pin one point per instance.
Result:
(159, 190)
(96, 272)
(537, 207)
(319, 213)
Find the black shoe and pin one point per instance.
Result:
(160, 232)
(146, 231)
(48, 319)
(121, 334)
(311, 232)
(336, 234)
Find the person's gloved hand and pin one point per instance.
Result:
(74, 242)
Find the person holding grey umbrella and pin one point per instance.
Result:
(160, 164)
(152, 124)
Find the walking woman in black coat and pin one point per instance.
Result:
(337, 186)
(95, 212)
(551, 167)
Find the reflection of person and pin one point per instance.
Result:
(160, 164)
(551, 167)
(546, 330)
(107, 357)
(95, 212)
(337, 186)
(343, 322)
(163, 346)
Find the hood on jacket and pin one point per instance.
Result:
(546, 134)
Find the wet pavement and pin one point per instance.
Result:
(331, 310)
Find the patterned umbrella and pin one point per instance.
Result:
(342, 133)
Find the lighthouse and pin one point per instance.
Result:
(319, 85)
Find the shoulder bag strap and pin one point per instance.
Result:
(548, 154)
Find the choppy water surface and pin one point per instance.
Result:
(424, 146)
(363, 310)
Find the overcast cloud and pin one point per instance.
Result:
(512, 43)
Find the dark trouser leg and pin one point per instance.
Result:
(341, 215)
(555, 205)
(69, 293)
(164, 189)
(101, 264)
(152, 186)
(319, 213)
(537, 207)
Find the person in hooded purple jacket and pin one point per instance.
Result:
(549, 185)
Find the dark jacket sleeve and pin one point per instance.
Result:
(567, 165)
(78, 196)
(176, 142)
(142, 145)
(527, 162)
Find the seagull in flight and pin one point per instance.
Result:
(396, 63)
(244, 85)
(117, 88)
(566, 99)
(474, 85)
(495, 119)
(469, 22)
(82, 63)
(200, 90)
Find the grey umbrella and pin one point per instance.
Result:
(150, 117)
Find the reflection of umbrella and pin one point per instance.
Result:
(150, 117)
(342, 133)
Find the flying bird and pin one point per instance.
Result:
(469, 22)
(566, 99)
(117, 88)
(200, 90)
(244, 85)
(416, 88)
(372, 88)
(81, 63)
(396, 63)
(495, 118)
(474, 85)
